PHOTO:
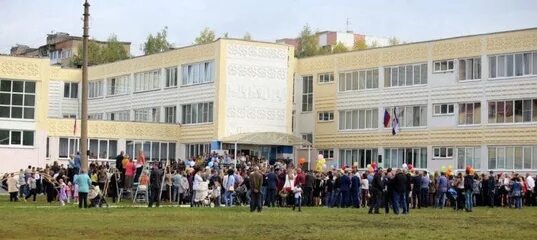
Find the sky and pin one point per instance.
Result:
(28, 21)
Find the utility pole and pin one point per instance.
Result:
(347, 23)
(84, 103)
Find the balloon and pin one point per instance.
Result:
(370, 169)
(368, 165)
(374, 165)
(211, 164)
(192, 163)
(301, 161)
(324, 165)
(443, 169)
(405, 166)
(320, 157)
(410, 167)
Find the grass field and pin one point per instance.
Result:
(43, 221)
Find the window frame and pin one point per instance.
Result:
(191, 73)
(321, 78)
(325, 116)
(20, 101)
(192, 117)
(449, 106)
(393, 80)
(446, 151)
(70, 86)
(307, 94)
(509, 65)
(22, 134)
(448, 63)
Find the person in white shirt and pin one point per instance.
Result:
(531, 190)
(297, 190)
(364, 185)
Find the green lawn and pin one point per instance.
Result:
(42, 221)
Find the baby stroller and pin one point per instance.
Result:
(202, 197)
(96, 197)
(452, 196)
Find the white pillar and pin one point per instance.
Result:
(309, 157)
(236, 160)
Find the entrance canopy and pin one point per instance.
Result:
(266, 138)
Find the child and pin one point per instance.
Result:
(62, 193)
(215, 194)
(297, 190)
(75, 192)
(69, 191)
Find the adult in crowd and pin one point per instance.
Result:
(344, 188)
(256, 181)
(424, 190)
(12, 187)
(530, 196)
(308, 189)
(468, 191)
(155, 185)
(130, 171)
(272, 181)
(377, 186)
(84, 182)
(355, 190)
(388, 190)
(399, 186)
(229, 186)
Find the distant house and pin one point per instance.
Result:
(329, 39)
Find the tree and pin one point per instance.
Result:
(206, 36)
(158, 43)
(374, 44)
(247, 36)
(339, 48)
(393, 41)
(112, 51)
(359, 44)
(308, 44)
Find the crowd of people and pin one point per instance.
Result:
(213, 180)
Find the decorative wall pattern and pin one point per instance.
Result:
(243, 50)
(456, 48)
(512, 41)
(11, 66)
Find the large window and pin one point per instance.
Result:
(308, 137)
(395, 157)
(118, 85)
(16, 137)
(327, 153)
(145, 81)
(405, 75)
(95, 89)
(326, 116)
(443, 109)
(469, 113)
(153, 150)
(307, 93)
(70, 90)
(171, 77)
(358, 119)
(195, 150)
(197, 73)
(469, 69)
(512, 157)
(147, 115)
(118, 116)
(326, 77)
(95, 116)
(443, 66)
(357, 80)
(197, 113)
(17, 99)
(409, 116)
(468, 156)
(513, 111)
(514, 64)
(100, 149)
(357, 157)
(170, 114)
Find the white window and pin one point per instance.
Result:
(326, 77)
(358, 80)
(308, 137)
(442, 152)
(512, 157)
(357, 157)
(153, 150)
(95, 89)
(405, 75)
(307, 93)
(197, 73)
(147, 115)
(118, 85)
(443, 109)
(409, 116)
(171, 77)
(17, 99)
(358, 119)
(16, 137)
(197, 113)
(512, 111)
(443, 66)
(197, 149)
(170, 114)
(469, 69)
(468, 156)
(469, 113)
(99, 149)
(513, 64)
(95, 116)
(70, 90)
(118, 116)
(146, 81)
(326, 116)
(327, 153)
(396, 157)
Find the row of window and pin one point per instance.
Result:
(195, 150)
(358, 119)
(513, 111)
(16, 137)
(153, 150)
(197, 113)
(17, 99)
(358, 80)
(513, 64)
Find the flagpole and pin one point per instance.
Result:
(84, 102)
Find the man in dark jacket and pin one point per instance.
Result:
(256, 181)
(388, 190)
(155, 184)
(416, 187)
(376, 188)
(119, 166)
(308, 189)
(468, 191)
(345, 187)
(355, 190)
(272, 181)
(399, 190)
(491, 182)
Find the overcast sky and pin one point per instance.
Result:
(28, 21)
